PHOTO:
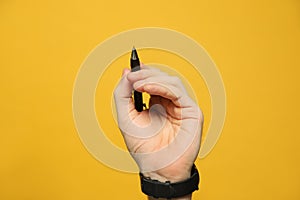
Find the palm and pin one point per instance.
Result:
(161, 139)
(166, 133)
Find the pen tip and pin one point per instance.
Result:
(134, 55)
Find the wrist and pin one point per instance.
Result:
(187, 197)
(173, 178)
(172, 173)
(169, 185)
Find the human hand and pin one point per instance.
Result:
(165, 139)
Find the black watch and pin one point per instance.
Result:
(170, 190)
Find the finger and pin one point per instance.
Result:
(172, 110)
(167, 87)
(159, 89)
(163, 84)
(144, 73)
(156, 76)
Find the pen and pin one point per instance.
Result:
(135, 66)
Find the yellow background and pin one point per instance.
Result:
(255, 44)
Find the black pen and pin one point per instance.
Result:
(135, 66)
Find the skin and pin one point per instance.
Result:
(180, 110)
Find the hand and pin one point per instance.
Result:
(165, 139)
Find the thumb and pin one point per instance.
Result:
(125, 71)
(124, 87)
(123, 98)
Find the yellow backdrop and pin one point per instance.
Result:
(255, 45)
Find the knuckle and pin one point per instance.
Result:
(142, 74)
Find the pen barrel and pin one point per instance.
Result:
(135, 65)
(138, 101)
(138, 96)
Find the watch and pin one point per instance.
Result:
(170, 190)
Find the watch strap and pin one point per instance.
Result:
(169, 190)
